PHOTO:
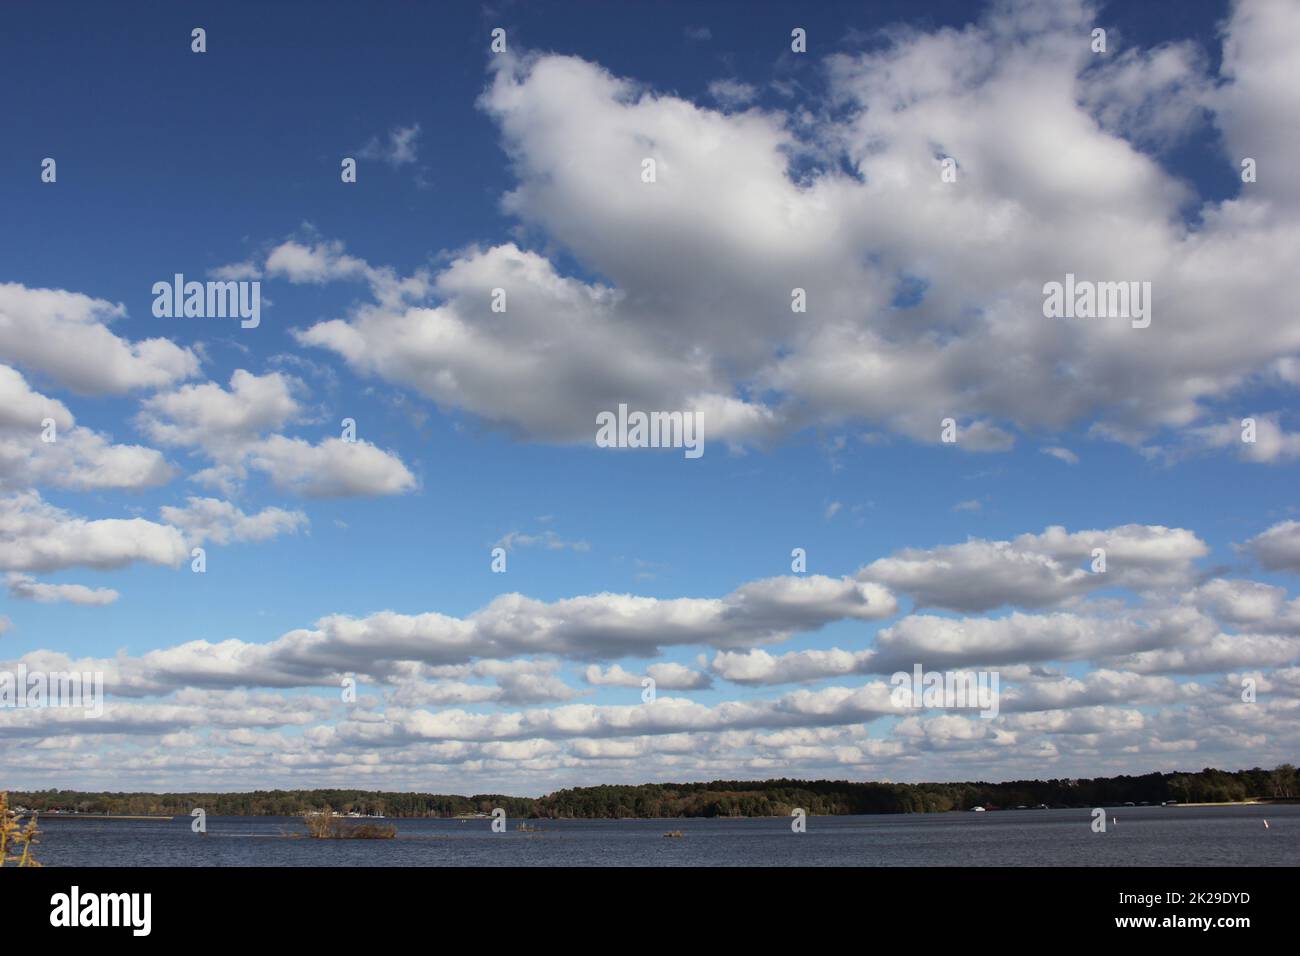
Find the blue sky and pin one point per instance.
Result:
(520, 170)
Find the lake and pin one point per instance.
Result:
(1143, 836)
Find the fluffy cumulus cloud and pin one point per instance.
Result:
(944, 642)
(211, 519)
(235, 428)
(1118, 644)
(1249, 604)
(1259, 438)
(65, 336)
(392, 647)
(1042, 570)
(758, 666)
(219, 418)
(520, 681)
(332, 468)
(1278, 548)
(37, 536)
(1055, 175)
(40, 443)
(495, 690)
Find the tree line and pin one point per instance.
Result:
(718, 798)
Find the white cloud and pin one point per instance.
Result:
(1278, 548)
(391, 646)
(221, 522)
(36, 536)
(221, 420)
(228, 425)
(77, 457)
(1153, 97)
(666, 675)
(760, 667)
(1037, 571)
(333, 468)
(941, 642)
(400, 148)
(65, 336)
(1218, 653)
(237, 271)
(517, 682)
(1064, 454)
(1272, 442)
(1055, 175)
(1061, 168)
(26, 588)
(325, 262)
(663, 715)
(732, 93)
(1248, 604)
(1258, 106)
(547, 539)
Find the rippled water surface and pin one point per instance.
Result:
(1142, 836)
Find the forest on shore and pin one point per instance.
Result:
(719, 798)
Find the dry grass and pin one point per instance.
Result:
(323, 825)
(367, 831)
(16, 840)
(320, 824)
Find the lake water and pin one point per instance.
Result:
(1143, 836)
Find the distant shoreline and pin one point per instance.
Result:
(717, 799)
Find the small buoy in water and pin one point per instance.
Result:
(1265, 824)
(1114, 821)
